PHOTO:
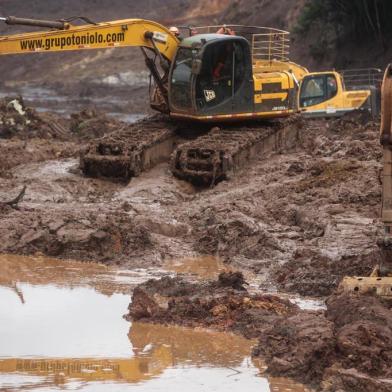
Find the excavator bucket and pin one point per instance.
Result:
(380, 281)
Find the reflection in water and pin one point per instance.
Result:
(40, 270)
(59, 322)
(61, 328)
(162, 357)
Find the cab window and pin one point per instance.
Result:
(222, 73)
(181, 79)
(317, 89)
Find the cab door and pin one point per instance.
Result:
(321, 95)
(225, 84)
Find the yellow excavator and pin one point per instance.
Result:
(214, 74)
(211, 74)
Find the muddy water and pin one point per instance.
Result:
(62, 328)
(45, 99)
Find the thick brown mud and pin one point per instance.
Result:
(348, 346)
(224, 304)
(300, 218)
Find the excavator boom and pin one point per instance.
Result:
(120, 33)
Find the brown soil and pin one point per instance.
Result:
(301, 217)
(348, 347)
(224, 305)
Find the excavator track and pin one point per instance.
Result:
(213, 157)
(126, 153)
(203, 161)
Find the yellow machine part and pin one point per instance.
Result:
(381, 285)
(343, 101)
(120, 33)
(377, 285)
(283, 79)
(280, 66)
(386, 140)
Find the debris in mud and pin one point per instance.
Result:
(18, 120)
(222, 304)
(130, 150)
(90, 124)
(14, 202)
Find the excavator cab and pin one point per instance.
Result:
(324, 94)
(211, 75)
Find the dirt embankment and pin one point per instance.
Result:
(348, 347)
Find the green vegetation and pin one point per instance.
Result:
(348, 19)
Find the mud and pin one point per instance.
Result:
(348, 346)
(224, 304)
(27, 135)
(300, 217)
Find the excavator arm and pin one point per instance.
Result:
(106, 35)
(65, 36)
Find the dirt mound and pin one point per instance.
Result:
(17, 120)
(349, 347)
(228, 234)
(91, 124)
(215, 304)
(77, 234)
(363, 330)
(297, 346)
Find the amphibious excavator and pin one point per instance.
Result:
(212, 74)
(380, 281)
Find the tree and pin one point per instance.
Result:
(362, 20)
